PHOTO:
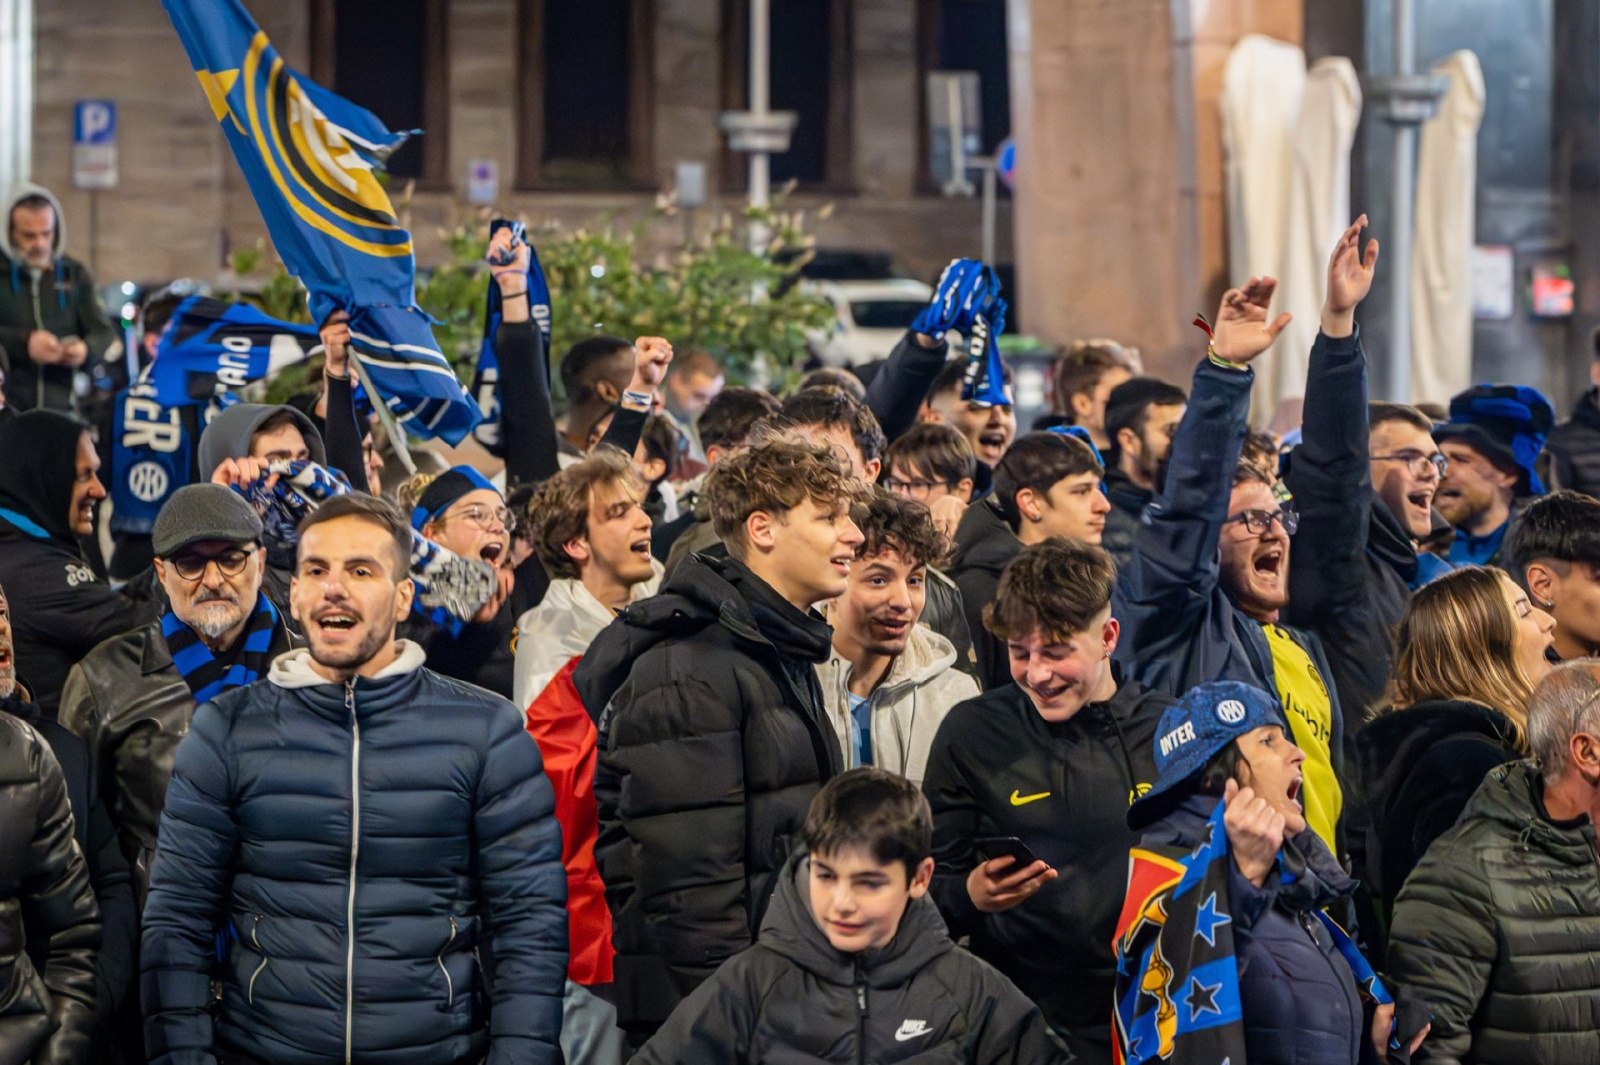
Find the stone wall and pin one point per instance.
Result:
(183, 202)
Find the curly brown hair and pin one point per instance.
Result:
(894, 523)
(775, 476)
(1056, 588)
(558, 511)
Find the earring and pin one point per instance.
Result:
(1037, 518)
(1545, 605)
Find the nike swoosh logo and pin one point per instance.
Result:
(911, 1030)
(1023, 800)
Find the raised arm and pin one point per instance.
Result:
(342, 433)
(898, 388)
(527, 422)
(1330, 472)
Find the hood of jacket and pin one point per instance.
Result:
(228, 435)
(1512, 796)
(983, 540)
(561, 628)
(293, 669)
(1388, 541)
(704, 590)
(790, 929)
(17, 195)
(37, 471)
(1124, 494)
(1391, 744)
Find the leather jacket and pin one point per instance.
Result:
(131, 707)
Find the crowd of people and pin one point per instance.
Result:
(699, 724)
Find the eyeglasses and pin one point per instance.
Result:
(229, 564)
(917, 489)
(485, 517)
(1259, 521)
(1418, 462)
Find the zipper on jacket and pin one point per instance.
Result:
(861, 1014)
(255, 941)
(355, 850)
(449, 984)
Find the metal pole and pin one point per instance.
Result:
(989, 193)
(760, 107)
(1403, 212)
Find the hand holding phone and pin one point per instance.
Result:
(1009, 874)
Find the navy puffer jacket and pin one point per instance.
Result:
(1300, 1000)
(449, 843)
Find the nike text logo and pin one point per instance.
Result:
(1023, 800)
(910, 1030)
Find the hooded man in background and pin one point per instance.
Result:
(51, 324)
(48, 491)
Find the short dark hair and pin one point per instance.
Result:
(1380, 412)
(584, 364)
(1056, 588)
(1258, 460)
(371, 509)
(661, 441)
(775, 477)
(891, 522)
(880, 812)
(1038, 461)
(1128, 406)
(831, 406)
(834, 377)
(558, 511)
(1563, 527)
(1081, 366)
(159, 309)
(940, 451)
(731, 414)
(954, 374)
(32, 202)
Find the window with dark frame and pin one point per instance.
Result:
(391, 57)
(811, 64)
(964, 35)
(585, 113)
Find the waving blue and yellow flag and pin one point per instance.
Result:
(308, 156)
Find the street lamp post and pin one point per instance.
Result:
(760, 130)
(1405, 100)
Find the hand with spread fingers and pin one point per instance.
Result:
(1350, 273)
(1242, 330)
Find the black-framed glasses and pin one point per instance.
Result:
(484, 517)
(1418, 462)
(1259, 521)
(916, 488)
(229, 563)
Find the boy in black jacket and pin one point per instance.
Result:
(853, 962)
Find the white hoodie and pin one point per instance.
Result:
(293, 669)
(921, 687)
(559, 629)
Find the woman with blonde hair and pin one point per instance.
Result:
(1469, 651)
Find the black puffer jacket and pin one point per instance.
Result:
(1420, 766)
(1498, 928)
(793, 997)
(999, 769)
(713, 741)
(49, 925)
(385, 856)
(985, 545)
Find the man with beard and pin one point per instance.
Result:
(890, 680)
(1209, 577)
(369, 833)
(1492, 442)
(48, 490)
(988, 428)
(1141, 416)
(131, 698)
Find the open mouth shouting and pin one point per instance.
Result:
(492, 551)
(1294, 790)
(992, 445)
(641, 548)
(1268, 562)
(335, 622)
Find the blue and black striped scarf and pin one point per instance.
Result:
(206, 676)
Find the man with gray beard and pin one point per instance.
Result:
(131, 698)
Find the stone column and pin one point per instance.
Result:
(1119, 225)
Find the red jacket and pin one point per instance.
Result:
(567, 739)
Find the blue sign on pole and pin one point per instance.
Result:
(94, 144)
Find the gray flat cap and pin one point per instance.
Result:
(199, 512)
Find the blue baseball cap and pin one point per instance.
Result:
(1507, 424)
(1203, 722)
